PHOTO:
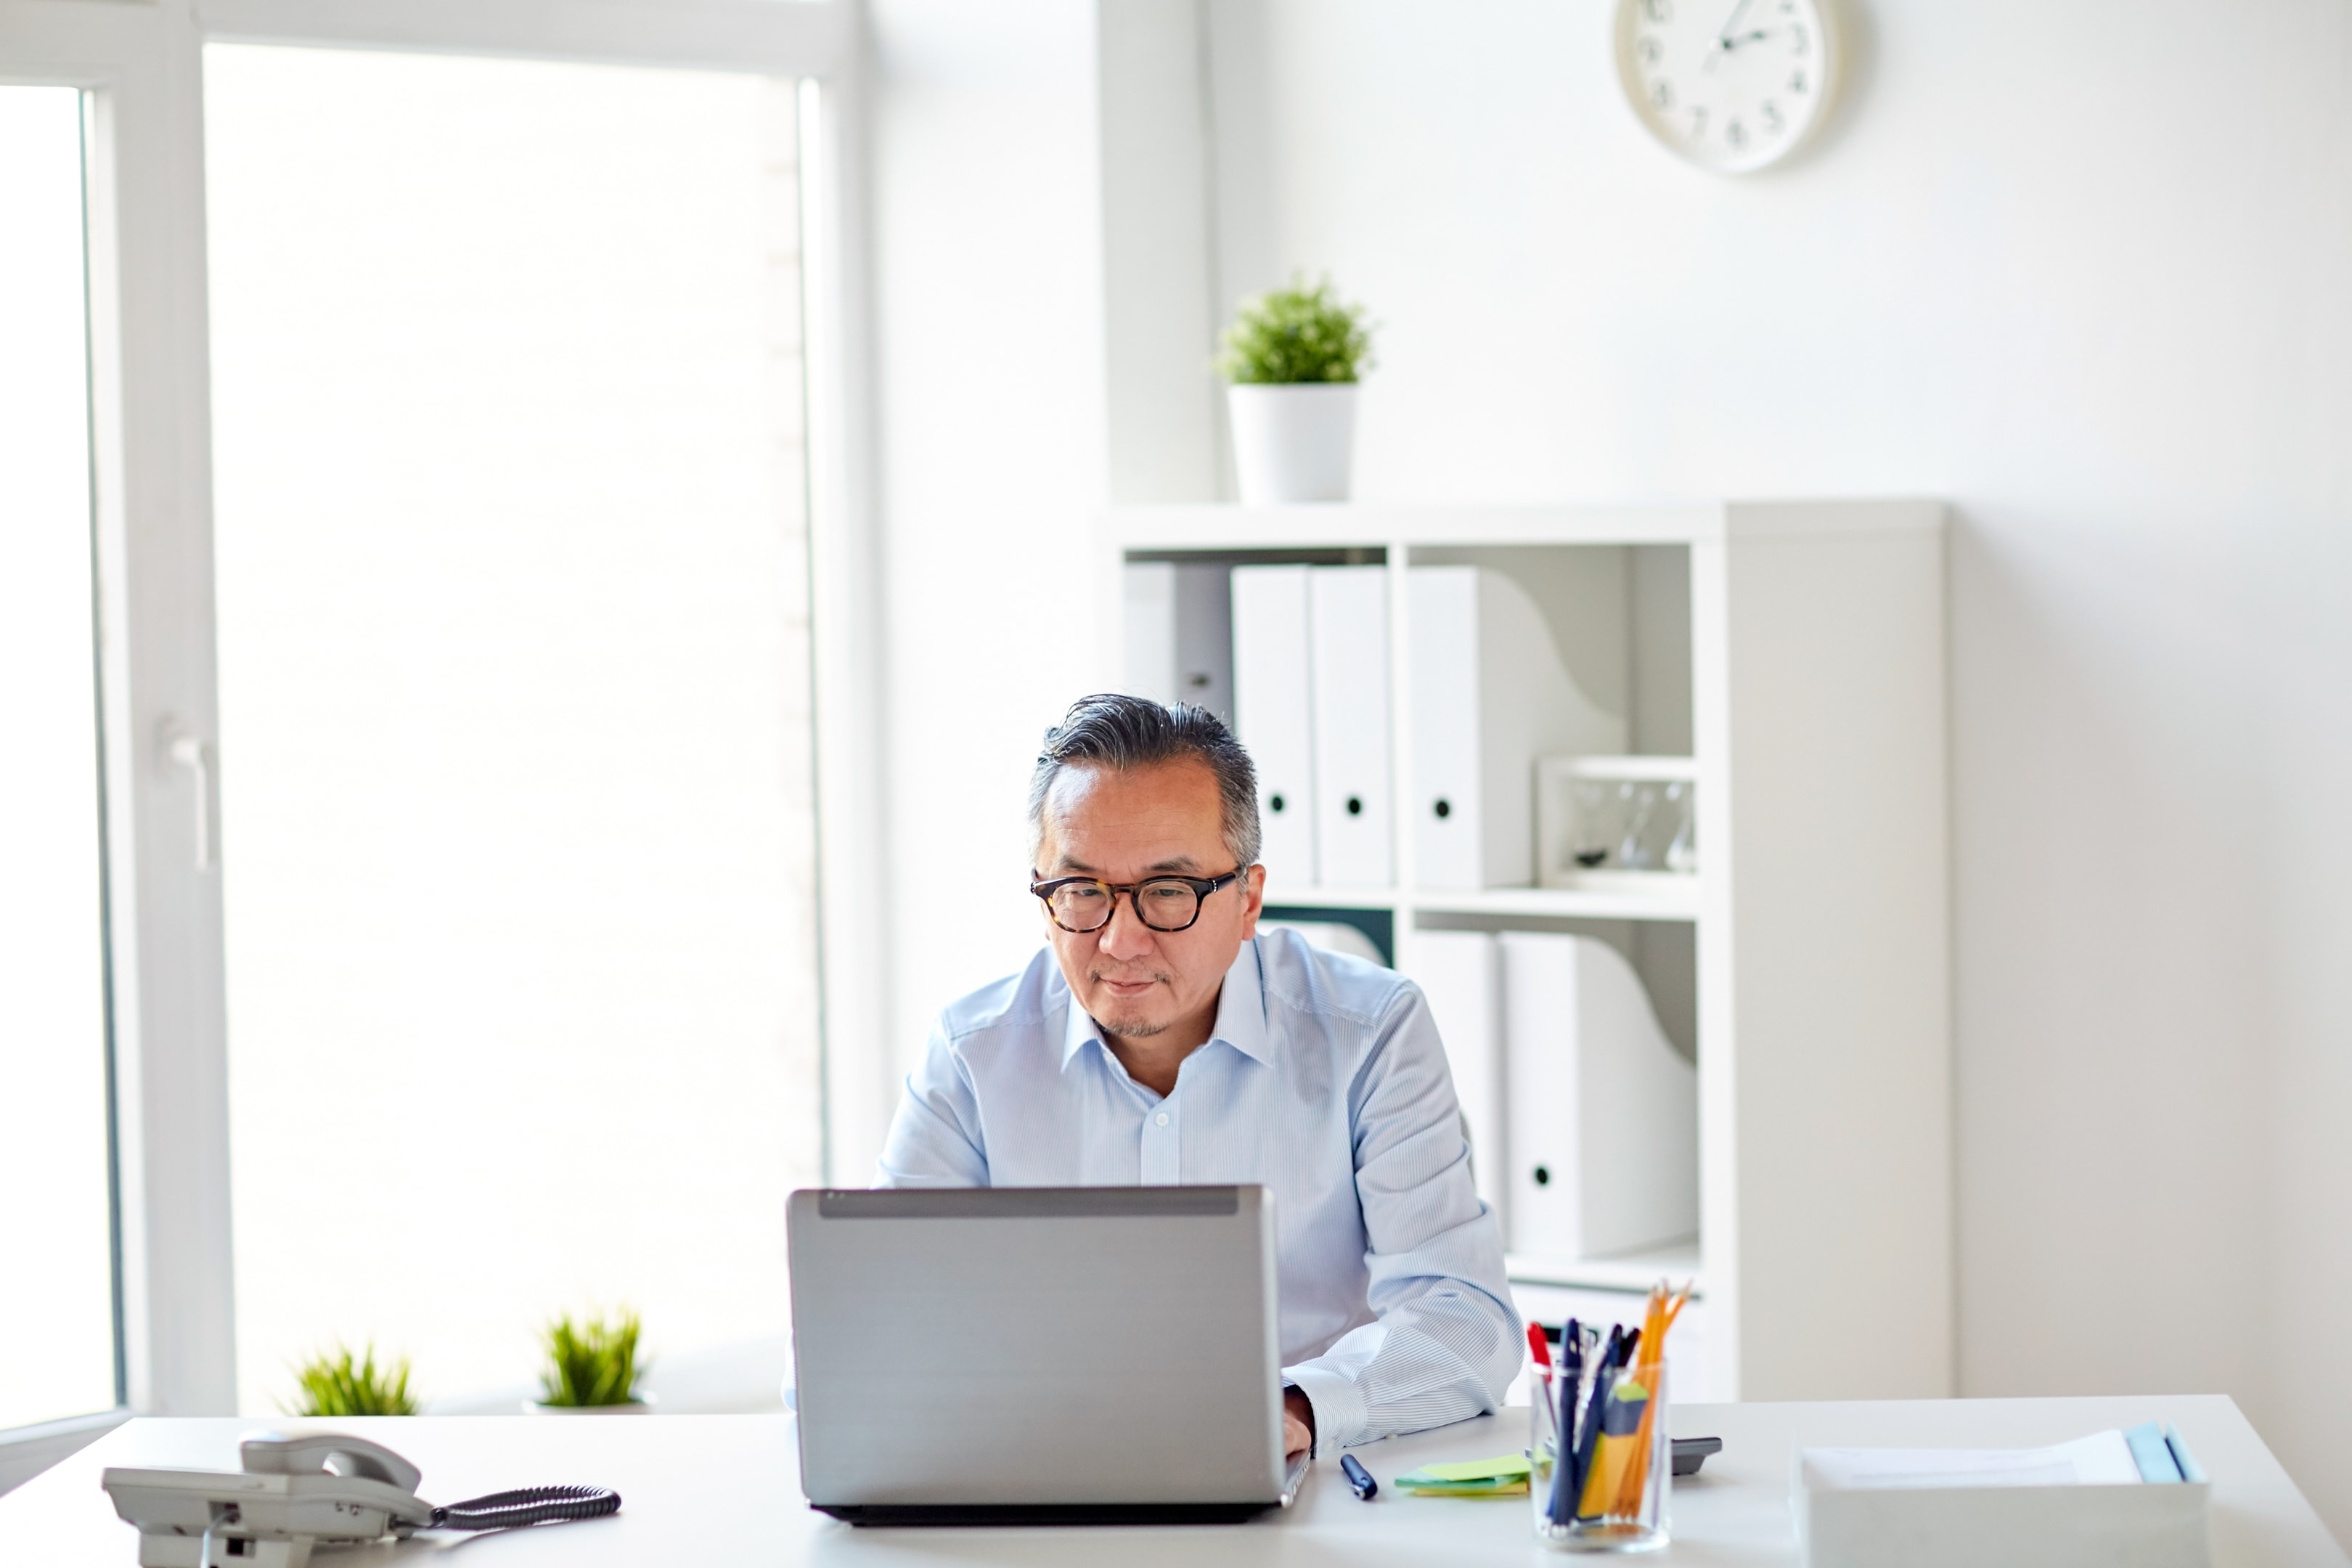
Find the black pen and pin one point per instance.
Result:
(1359, 1479)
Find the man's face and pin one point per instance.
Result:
(1121, 827)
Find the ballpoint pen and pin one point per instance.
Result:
(1359, 1480)
(1588, 1441)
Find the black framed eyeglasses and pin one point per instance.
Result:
(1083, 904)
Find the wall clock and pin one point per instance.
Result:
(1732, 85)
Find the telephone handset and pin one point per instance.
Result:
(312, 1489)
(275, 1454)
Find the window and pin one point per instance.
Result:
(467, 768)
(513, 619)
(56, 1115)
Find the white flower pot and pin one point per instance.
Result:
(641, 1405)
(1294, 443)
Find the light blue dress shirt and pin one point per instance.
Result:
(1325, 1082)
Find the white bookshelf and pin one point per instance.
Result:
(1633, 1273)
(1813, 637)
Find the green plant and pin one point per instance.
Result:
(334, 1382)
(1295, 334)
(592, 1361)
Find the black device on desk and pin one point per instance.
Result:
(1039, 1355)
(1690, 1453)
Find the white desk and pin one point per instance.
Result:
(722, 1489)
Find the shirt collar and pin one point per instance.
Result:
(1241, 1013)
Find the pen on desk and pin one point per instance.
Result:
(1359, 1480)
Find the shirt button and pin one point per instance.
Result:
(1162, 1118)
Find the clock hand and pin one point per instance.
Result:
(1728, 45)
(1723, 33)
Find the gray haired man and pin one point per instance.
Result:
(1164, 1039)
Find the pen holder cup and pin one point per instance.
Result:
(1605, 1489)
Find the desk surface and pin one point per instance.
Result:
(723, 1488)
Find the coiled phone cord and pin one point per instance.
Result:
(527, 1505)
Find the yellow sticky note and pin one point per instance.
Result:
(1479, 1469)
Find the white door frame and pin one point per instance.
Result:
(151, 446)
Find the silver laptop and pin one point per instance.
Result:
(1039, 1355)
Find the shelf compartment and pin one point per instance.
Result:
(1635, 1271)
(1635, 770)
(1670, 897)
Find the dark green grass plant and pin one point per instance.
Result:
(337, 1383)
(1301, 333)
(591, 1362)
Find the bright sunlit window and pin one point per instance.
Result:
(56, 1310)
(518, 831)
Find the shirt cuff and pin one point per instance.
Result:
(1339, 1413)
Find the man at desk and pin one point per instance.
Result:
(1165, 1040)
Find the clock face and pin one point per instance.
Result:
(1729, 84)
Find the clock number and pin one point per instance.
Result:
(1773, 121)
(1663, 96)
(1797, 81)
(1698, 122)
(1647, 49)
(1798, 39)
(1659, 11)
(1736, 133)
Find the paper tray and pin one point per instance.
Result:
(2142, 1526)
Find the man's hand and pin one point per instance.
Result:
(1297, 1423)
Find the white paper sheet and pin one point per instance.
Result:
(2103, 1459)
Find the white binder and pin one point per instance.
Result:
(1274, 714)
(1150, 629)
(1349, 618)
(1204, 638)
(1603, 1119)
(1179, 644)
(1456, 970)
(1490, 695)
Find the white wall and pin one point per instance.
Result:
(2079, 269)
(2082, 269)
(989, 360)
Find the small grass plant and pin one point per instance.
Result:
(591, 1362)
(338, 1382)
(1302, 333)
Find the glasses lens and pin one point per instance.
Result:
(1167, 906)
(1080, 906)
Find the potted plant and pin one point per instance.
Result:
(592, 1369)
(336, 1383)
(1292, 358)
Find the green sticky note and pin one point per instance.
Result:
(1480, 1489)
(1509, 1467)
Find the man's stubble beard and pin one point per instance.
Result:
(1135, 1031)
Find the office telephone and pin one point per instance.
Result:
(312, 1489)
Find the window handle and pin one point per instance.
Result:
(183, 748)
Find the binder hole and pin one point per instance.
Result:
(1543, 1176)
(1274, 803)
(1355, 806)
(1444, 808)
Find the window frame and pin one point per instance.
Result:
(151, 435)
